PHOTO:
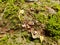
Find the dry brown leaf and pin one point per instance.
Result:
(21, 11)
(2, 35)
(41, 38)
(11, 31)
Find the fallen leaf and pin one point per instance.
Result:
(2, 35)
(41, 38)
(21, 11)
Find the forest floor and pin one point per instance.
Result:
(29, 23)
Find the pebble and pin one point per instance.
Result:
(31, 23)
(24, 25)
(28, 27)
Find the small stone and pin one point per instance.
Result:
(28, 27)
(36, 21)
(35, 32)
(31, 23)
(32, 9)
(24, 25)
(50, 10)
